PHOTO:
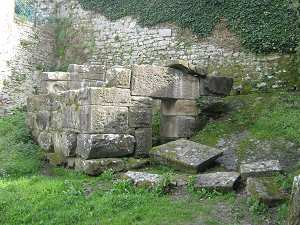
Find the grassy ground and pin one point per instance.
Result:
(63, 196)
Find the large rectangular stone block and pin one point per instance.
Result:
(104, 120)
(56, 120)
(179, 107)
(70, 117)
(144, 102)
(42, 120)
(64, 142)
(92, 146)
(140, 117)
(143, 144)
(180, 126)
(163, 82)
(118, 77)
(57, 76)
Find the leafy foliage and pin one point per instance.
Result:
(263, 26)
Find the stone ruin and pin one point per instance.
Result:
(96, 112)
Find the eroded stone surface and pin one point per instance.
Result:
(97, 166)
(133, 163)
(222, 180)
(265, 190)
(186, 67)
(260, 169)
(143, 144)
(294, 212)
(185, 155)
(218, 86)
(65, 142)
(92, 146)
(143, 178)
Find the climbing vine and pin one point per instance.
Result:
(263, 26)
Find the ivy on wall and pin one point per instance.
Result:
(263, 26)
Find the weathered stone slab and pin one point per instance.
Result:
(104, 120)
(186, 67)
(42, 102)
(65, 142)
(179, 107)
(133, 163)
(140, 117)
(118, 77)
(104, 96)
(184, 155)
(163, 82)
(260, 169)
(224, 181)
(181, 126)
(143, 179)
(143, 102)
(49, 87)
(42, 120)
(93, 69)
(70, 117)
(57, 76)
(293, 217)
(92, 146)
(218, 86)
(143, 144)
(45, 141)
(265, 190)
(56, 120)
(95, 167)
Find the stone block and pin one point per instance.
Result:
(186, 67)
(68, 97)
(223, 181)
(118, 77)
(70, 117)
(293, 217)
(143, 102)
(140, 117)
(265, 190)
(42, 120)
(56, 120)
(64, 142)
(165, 32)
(92, 146)
(45, 141)
(143, 179)
(38, 102)
(163, 82)
(104, 96)
(95, 167)
(93, 69)
(49, 87)
(260, 169)
(184, 155)
(30, 120)
(181, 126)
(143, 144)
(173, 107)
(217, 86)
(56, 159)
(104, 120)
(57, 76)
(133, 163)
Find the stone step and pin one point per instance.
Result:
(223, 181)
(184, 155)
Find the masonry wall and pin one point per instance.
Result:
(25, 52)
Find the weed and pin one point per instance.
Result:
(256, 208)
(5, 82)
(199, 101)
(17, 78)
(285, 181)
(8, 63)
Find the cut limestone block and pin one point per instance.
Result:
(104, 119)
(224, 181)
(294, 212)
(133, 163)
(118, 77)
(140, 117)
(172, 107)
(265, 190)
(163, 82)
(260, 169)
(143, 144)
(218, 86)
(146, 180)
(93, 146)
(45, 141)
(181, 126)
(64, 142)
(70, 117)
(42, 120)
(184, 155)
(95, 167)
(186, 67)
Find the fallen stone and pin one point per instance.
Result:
(95, 167)
(133, 163)
(186, 67)
(224, 181)
(146, 180)
(260, 169)
(184, 155)
(265, 190)
(293, 217)
(216, 86)
(93, 146)
(143, 144)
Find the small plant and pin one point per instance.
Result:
(165, 186)
(285, 181)
(24, 43)
(187, 44)
(107, 175)
(5, 82)
(117, 38)
(39, 66)
(256, 208)
(8, 63)
(17, 78)
(36, 36)
(75, 189)
(199, 101)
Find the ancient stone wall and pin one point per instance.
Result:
(25, 52)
